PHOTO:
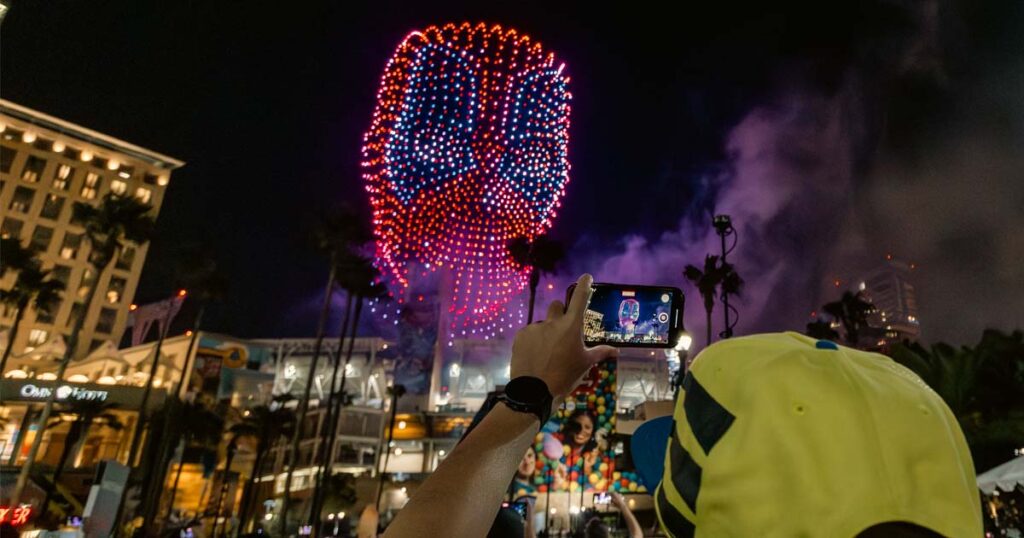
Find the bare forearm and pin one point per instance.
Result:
(635, 530)
(471, 480)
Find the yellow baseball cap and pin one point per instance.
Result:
(784, 435)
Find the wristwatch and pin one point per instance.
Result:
(527, 394)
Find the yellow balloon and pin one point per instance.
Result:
(600, 401)
(632, 486)
(593, 478)
(616, 475)
(603, 467)
(600, 410)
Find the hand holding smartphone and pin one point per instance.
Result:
(625, 315)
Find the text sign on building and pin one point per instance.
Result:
(16, 516)
(64, 393)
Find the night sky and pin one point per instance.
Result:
(267, 104)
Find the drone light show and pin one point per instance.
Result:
(467, 149)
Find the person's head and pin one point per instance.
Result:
(595, 528)
(528, 465)
(582, 429)
(849, 444)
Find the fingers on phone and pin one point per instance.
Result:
(581, 297)
(555, 310)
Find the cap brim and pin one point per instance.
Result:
(648, 447)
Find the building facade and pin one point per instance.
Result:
(889, 288)
(46, 165)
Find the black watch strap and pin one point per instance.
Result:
(527, 394)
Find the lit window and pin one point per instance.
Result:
(52, 206)
(69, 248)
(92, 184)
(11, 228)
(22, 199)
(143, 194)
(33, 169)
(126, 259)
(62, 177)
(118, 187)
(84, 285)
(37, 337)
(115, 290)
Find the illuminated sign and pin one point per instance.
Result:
(64, 392)
(15, 516)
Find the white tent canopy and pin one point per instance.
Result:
(1005, 477)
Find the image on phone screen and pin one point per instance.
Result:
(631, 316)
(602, 498)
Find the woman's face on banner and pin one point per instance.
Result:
(586, 430)
(528, 465)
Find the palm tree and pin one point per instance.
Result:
(200, 428)
(270, 423)
(33, 286)
(851, 311)
(335, 237)
(716, 275)
(541, 255)
(396, 392)
(982, 387)
(15, 256)
(83, 414)
(358, 278)
(109, 227)
(196, 271)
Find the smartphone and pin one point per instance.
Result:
(602, 498)
(627, 315)
(520, 507)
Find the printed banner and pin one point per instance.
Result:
(572, 452)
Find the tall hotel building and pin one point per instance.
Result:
(46, 165)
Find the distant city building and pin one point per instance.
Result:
(889, 288)
(593, 324)
(46, 165)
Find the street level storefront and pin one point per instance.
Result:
(98, 420)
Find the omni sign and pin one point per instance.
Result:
(64, 392)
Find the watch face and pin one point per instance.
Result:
(526, 390)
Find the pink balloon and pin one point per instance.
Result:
(552, 447)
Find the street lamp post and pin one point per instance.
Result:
(723, 227)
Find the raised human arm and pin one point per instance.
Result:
(635, 530)
(463, 495)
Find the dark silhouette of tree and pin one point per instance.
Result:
(716, 278)
(822, 330)
(542, 255)
(269, 424)
(338, 236)
(80, 415)
(982, 385)
(33, 287)
(110, 227)
(851, 311)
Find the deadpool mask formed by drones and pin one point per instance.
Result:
(467, 150)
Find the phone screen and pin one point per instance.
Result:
(520, 507)
(633, 316)
(602, 498)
